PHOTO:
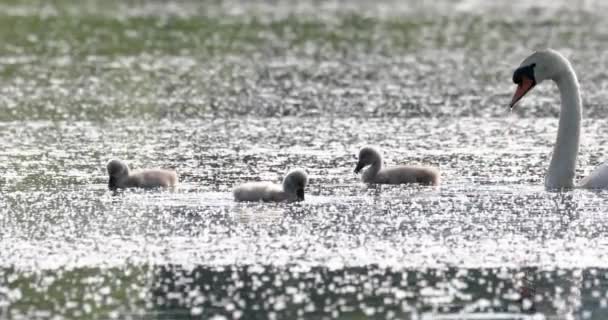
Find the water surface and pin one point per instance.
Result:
(227, 92)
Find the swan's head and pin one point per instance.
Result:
(367, 156)
(295, 182)
(539, 66)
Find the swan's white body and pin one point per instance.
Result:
(598, 179)
(549, 64)
(291, 190)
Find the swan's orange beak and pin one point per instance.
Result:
(525, 85)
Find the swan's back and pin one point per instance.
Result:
(153, 178)
(258, 191)
(598, 179)
(408, 174)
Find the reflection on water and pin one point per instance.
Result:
(256, 291)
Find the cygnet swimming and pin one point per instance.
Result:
(121, 177)
(377, 174)
(292, 189)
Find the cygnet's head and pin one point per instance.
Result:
(116, 170)
(295, 182)
(539, 66)
(367, 156)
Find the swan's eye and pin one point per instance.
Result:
(516, 80)
(525, 71)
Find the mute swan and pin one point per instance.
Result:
(292, 189)
(395, 175)
(121, 177)
(550, 64)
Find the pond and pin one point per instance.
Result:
(227, 92)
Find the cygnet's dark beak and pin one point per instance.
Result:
(300, 194)
(112, 185)
(524, 78)
(360, 166)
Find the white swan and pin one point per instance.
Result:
(394, 175)
(549, 64)
(292, 189)
(121, 177)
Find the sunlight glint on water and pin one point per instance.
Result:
(230, 91)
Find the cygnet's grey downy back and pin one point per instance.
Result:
(292, 189)
(121, 177)
(377, 174)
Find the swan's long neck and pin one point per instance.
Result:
(563, 162)
(371, 172)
